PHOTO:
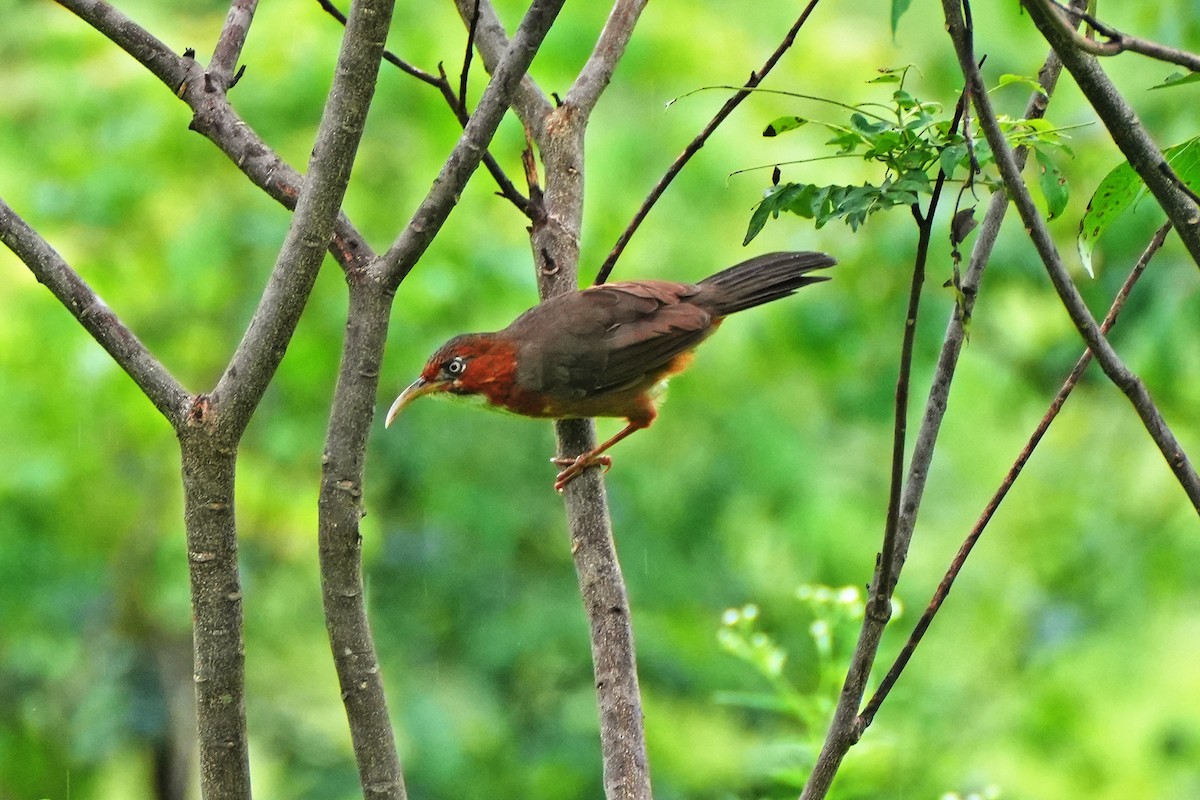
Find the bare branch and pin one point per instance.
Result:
(233, 38)
(1108, 359)
(598, 70)
(155, 381)
(694, 146)
(340, 543)
(215, 119)
(558, 212)
(1119, 42)
(262, 348)
(427, 220)
(960, 559)
(1123, 126)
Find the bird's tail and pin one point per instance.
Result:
(763, 279)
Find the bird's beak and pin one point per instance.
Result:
(417, 388)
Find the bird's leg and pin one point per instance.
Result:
(594, 457)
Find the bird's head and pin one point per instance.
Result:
(470, 364)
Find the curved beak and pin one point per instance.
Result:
(417, 388)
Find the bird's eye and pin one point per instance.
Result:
(456, 366)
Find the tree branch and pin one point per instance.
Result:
(1108, 359)
(559, 134)
(694, 146)
(597, 72)
(960, 559)
(340, 509)
(262, 348)
(1123, 126)
(1119, 42)
(214, 118)
(155, 381)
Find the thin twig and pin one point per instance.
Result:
(943, 589)
(1119, 42)
(844, 728)
(530, 103)
(887, 575)
(1109, 361)
(694, 146)
(465, 72)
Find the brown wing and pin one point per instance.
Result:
(607, 338)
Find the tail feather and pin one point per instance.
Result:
(762, 279)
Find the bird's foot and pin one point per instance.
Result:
(576, 466)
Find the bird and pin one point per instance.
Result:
(604, 351)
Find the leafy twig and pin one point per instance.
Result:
(845, 728)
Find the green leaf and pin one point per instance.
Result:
(1184, 159)
(757, 220)
(1116, 192)
(783, 125)
(1178, 79)
(1121, 187)
(951, 157)
(898, 9)
(1053, 183)
(1008, 79)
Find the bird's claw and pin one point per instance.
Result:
(576, 466)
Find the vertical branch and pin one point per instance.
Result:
(352, 414)
(233, 38)
(847, 725)
(340, 544)
(559, 134)
(218, 647)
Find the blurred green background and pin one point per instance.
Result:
(1064, 665)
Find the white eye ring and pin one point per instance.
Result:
(456, 366)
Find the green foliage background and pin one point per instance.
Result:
(1064, 664)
